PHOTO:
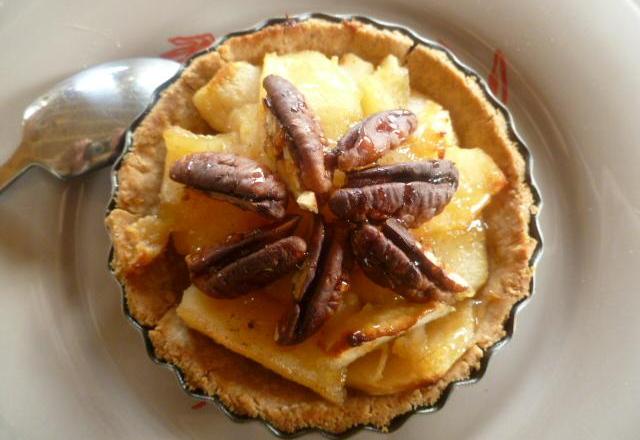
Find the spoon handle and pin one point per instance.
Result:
(19, 162)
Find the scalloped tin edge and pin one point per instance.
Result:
(534, 229)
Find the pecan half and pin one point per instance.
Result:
(248, 262)
(426, 260)
(238, 180)
(319, 286)
(303, 128)
(412, 192)
(368, 140)
(392, 258)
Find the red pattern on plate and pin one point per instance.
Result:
(199, 405)
(188, 45)
(498, 80)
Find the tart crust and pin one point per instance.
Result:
(153, 277)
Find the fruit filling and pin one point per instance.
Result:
(332, 226)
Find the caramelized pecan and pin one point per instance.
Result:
(303, 129)
(412, 192)
(235, 179)
(319, 286)
(392, 258)
(305, 276)
(432, 171)
(428, 263)
(386, 264)
(248, 262)
(368, 140)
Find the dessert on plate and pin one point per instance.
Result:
(322, 224)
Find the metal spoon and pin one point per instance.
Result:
(76, 126)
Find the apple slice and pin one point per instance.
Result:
(460, 251)
(198, 220)
(373, 325)
(435, 130)
(356, 66)
(420, 356)
(232, 86)
(387, 88)
(246, 326)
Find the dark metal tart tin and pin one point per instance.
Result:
(534, 230)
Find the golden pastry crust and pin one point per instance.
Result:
(244, 386)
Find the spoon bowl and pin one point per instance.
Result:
(76, 126)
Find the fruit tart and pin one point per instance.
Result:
(322, 224)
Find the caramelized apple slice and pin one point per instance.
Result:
(419, 357)
(387, 88)
(463, 252)
(435, 130)
(372, 326)
(436, 347)
(232, 86)
(198, 221)
(356, 66)
(247, 120)
(247, 325)
(369, 369)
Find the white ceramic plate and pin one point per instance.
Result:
(72, 367)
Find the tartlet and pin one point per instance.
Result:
(151, 267)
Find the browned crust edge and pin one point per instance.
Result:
(242, 385)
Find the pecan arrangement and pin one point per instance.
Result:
(373, 209)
